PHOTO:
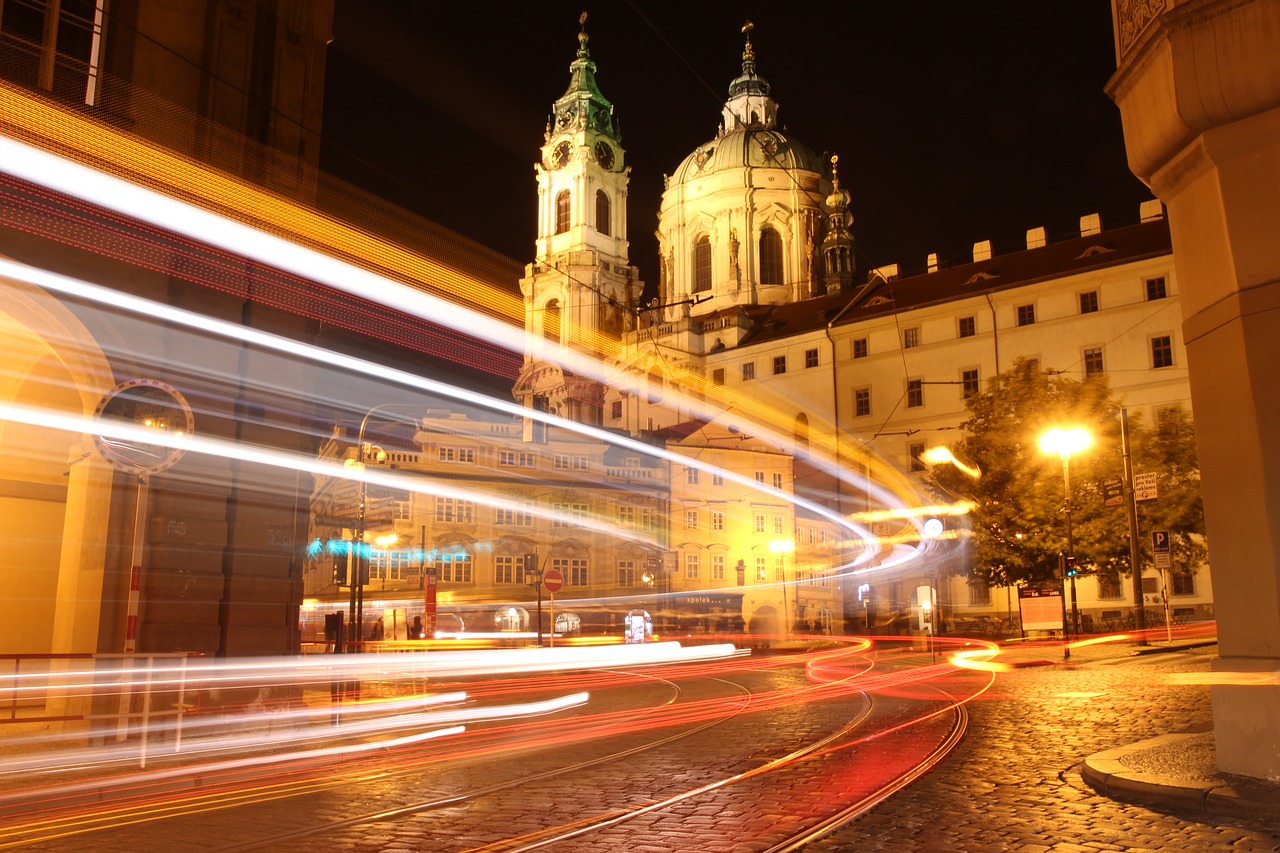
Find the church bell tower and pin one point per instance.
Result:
(580, 293)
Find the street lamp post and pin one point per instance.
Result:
(361, 562)
(1064, 442)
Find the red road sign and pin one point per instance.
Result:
(552, 580)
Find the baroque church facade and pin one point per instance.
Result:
(768, 360)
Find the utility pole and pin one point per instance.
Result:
(1139, 614)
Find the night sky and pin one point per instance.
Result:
(954, 121)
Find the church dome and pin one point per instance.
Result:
(747, 147)
(749, 135)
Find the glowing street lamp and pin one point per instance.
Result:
(1065, 442)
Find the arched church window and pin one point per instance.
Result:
(770, 256)
(551, 321)
(562, 211)
(602, 212)
(702, 264)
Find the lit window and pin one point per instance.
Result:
(453, 568)
(1089, 302)
(1026, 315)
(770, 257)
(691, 566)
(968, 327)
(507, 569)
(702, 265)
(452, 509)
(1156, 289)
(1162, 351)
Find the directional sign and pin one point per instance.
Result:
(1144, 487)
(552, 579)
(1160, 548)
(1113, 492)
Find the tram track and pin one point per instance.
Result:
(693, 709)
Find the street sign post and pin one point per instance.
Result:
(1160, 548)
(552, 580)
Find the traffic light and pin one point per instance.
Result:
(1072, 568)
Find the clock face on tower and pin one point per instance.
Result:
(604, 155)
(560, 156)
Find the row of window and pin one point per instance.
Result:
(967, 327)
(523, 459)
(564, 208)
(569, 515)
(1161, 356)
(769, 256)
(459, 568)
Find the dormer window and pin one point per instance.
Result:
(562, 211)
(602, 212)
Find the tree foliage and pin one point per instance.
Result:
(1019, 523)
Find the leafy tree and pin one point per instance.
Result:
(1019, 525)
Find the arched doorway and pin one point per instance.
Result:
(55, 492)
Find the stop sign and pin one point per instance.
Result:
(552, 580)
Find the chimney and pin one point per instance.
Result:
(1149, 211)
(1090, 225)
(932, 262)
(1035, 237)
(982, 251)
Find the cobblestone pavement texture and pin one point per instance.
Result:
(1013, 784)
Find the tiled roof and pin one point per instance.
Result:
(1001, 272)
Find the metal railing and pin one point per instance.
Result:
(117, 695)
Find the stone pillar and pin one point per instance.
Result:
(1198, 88)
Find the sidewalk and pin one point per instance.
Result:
(1179, 770)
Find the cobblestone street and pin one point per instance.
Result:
(1014, 783)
